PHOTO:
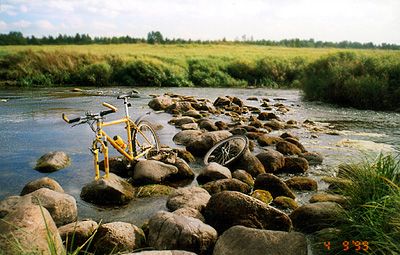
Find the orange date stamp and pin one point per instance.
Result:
(350, 245)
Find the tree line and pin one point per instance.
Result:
(155, 37)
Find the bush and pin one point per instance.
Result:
(97, 74)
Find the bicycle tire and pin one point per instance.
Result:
(229, 156)
(137, 138)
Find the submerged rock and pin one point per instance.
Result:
(111, 191)
(52, 161)
(240, 240)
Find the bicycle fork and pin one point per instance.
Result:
(95, 150)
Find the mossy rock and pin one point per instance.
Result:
(262, 195)
(285, 202)
(336, 182)
(153, 190)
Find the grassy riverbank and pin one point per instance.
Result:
(367, 79)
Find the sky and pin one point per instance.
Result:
(376, 21)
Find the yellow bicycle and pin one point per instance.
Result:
(141, 141)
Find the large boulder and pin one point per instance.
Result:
(302, 183)
(213, 172)
(52, 161)
(108, 191)
(207, 125)
(227, 184)
(272, 160)
(44, 182)
(172, 231)
(152, 172)
(313, 217)
(243, 176)
(250, 163)
(190, 212)
(179, 107)
(179, 121)
(287, 148)
(230, 208)
(62, 207)
(117, 237)
(77, 233)
(9, 204)
(297, 143)
(295, 165)
(274, 185)
(240, 240)
(193, 197)
(187, 137)
(204, 142)
(160, 103)
(27, 229)
(222, 101)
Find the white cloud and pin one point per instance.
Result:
(45, 25)
(23, 8)
(22, 24)
(3, 25)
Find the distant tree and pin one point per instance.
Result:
(155, 37)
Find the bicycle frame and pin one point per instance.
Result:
(103, 138)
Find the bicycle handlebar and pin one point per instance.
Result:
(70, 121)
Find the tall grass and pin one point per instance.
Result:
(374, 205)
(366, 82)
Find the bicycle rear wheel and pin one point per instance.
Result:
(227, 150)
(145, 140)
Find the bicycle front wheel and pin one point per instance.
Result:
(227, 150)
(145, 141)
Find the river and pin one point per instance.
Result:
(31, 125)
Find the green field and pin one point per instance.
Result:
(367, 79)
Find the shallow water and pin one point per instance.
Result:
(31, 125)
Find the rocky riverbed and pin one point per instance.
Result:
(274, 195)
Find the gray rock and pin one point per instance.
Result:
(301, 183)
(52, 161)
(313, 217)
(230, 208)
(171, 231)
(152, 172)
(214, 187)
(239, 240)
(272, 160)
(77, 233)
(189, 212)
(274, 185)
(8, 205)
(179, 121)
(25, 226)
(187, 137)
(203, 143)
(243, 176)
(193, 197)
(44, 182)
(160, 103)
(213, 172)
(111, 191)
(62, 207)
(117, 237)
